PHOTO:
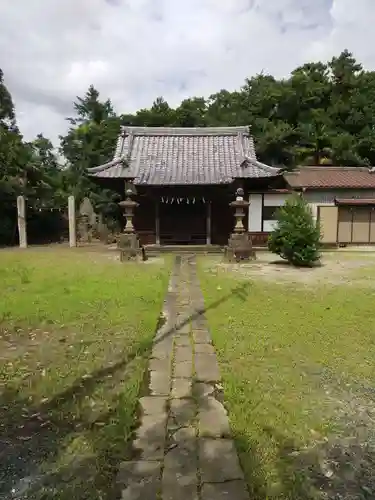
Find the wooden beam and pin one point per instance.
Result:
(208, 222)
(157, 222)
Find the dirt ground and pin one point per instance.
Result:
(337, 267)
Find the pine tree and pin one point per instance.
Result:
(296, 237)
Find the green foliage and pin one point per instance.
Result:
(323, 114)
(296, 237)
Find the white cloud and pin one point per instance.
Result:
(136, 50)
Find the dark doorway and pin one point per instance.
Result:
(183, 222)
(222, 222)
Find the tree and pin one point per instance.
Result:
(324, 113)
(315, 140)
(296, 237)
(90, 108)
(90, 142)
(191, 113)
(160, 114)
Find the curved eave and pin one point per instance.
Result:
(254, 169)
(114, 169)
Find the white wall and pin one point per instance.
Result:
(255, 213)
(255, 210)
(273, 200)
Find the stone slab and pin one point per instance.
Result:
(140, 479)
(213, 419)
(218, 461)
(181, 388)
(206, 368)
(185, 437)
(182, 340)
(162, 349)
(202, 390)
(199, 322)
(159, 383)
(153, 405)
(175, 491)
(183, 325)
(151, 437)
(160, 365)
(165, 333)
(201, 337)
(183, 370)
(204, 348)
(230, 490)
(180, 466)
(182, 411)
(183, 353)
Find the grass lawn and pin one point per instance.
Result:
(75, 329)
(298, 365)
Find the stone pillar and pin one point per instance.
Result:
(157, 222)
(208, 222)
(72, 222)
(21, 215)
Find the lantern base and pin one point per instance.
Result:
(239, 248)
(130, 248)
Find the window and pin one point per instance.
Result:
(269, 213)
(269, 218)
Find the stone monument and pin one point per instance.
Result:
(86, 220)
(239, 244)
(128, 242)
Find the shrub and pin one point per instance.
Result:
(296, 237)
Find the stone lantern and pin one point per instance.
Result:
(239, 243)
(129, 206)
(128, 242)
(240, 206)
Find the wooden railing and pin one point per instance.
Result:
(259, 239)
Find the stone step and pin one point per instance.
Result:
(195, 249)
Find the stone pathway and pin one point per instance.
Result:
(183, 444)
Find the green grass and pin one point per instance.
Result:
(75, 329)
(298, 370)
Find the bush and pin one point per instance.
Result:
(296, 237)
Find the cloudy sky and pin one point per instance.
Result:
(136, 50)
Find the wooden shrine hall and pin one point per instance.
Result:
(183, 180)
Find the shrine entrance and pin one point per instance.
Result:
(184, 221)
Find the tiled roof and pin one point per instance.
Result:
(355, 201)
(178, 156)
(323, 177)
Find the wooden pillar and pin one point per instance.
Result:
(157, 222)
(72, 222)
(21, 215)
(208, 222)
